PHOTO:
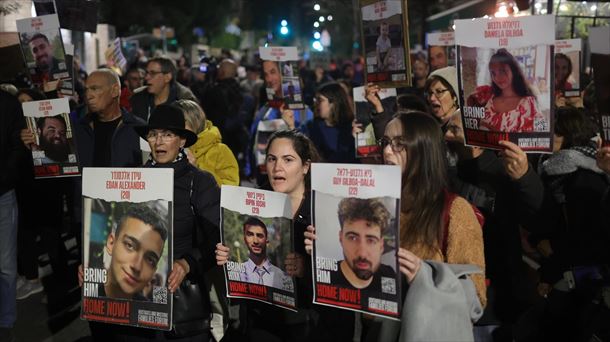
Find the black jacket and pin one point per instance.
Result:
(12, 151)
(143, 102)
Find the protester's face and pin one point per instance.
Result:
(135, 253)
(501, 75)
(395, 155)
(134, 80)
(41, 50)
(440, 100)
(23, 97)
(285, 168)
(272, 76)
(256, 240)
(420, 70)
(100, 93)
(323, 106)
(562, 70)
(362, 245)
(155, 79)
(164, 145)
(438, 57)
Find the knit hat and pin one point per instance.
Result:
(449, 74)
(168, 117)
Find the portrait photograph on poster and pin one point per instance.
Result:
(505, 78)
(356, 216)
(366, 141)
(54, 153)
(258, 230)
(284, 87)
(441, 49)
(42, 48)
(567, 67)
(127, 246)
(385, 41)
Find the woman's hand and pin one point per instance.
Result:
(356, 128)
(310, 236)
(370, 93)
(294, 265)
(179, 270)
(28, 138)
(81, 275)
(222, 254)
(409, 264)
(515, 160)
(288, 117)
(603, 158)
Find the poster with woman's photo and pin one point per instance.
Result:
(385, 40)
(257, 227)
(356, 211)
(280, 66)
(505, 78)
(127, 246)
(441, 49)
(366, 141)
(54, 153)
(42, 48)
(567, 67)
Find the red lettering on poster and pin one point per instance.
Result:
(255, 200)
(257, 290)
(238, 287)
(94, 306)
(502, 30)
(349, 295)
(327, 291)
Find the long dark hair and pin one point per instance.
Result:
(519, 84)
(424, 180)
(575, 126)
(302, 145)
(342, 112)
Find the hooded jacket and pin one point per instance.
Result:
(215, 157)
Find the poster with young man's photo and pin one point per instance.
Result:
(366, 141)
(257, 227)
(42, 48)
(283, 86)
(127, 246)
(505, 78)
(356, 211)
(385, 41)
(567, 67)
(441, 49)
(54, 152)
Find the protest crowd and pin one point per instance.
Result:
(534, 226)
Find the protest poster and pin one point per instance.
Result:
(44, 7)
(42, 48)
(567, 67)
(356, 209)
(280, 66)
(54, 153)
(441, 49)
(264, 131)
(257, 226)
(115, 58)
(77, 15)
(366, 141)
(385, 41)
(127, 246)
(601, 79)
(505, 77)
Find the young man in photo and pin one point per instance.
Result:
(42, 51)
(437, 55)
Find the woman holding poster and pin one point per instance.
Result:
(513, 106)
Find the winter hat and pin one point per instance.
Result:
(449, 74)
(167, 117)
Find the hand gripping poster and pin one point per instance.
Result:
(127, 246)
(355, 210)
(257, 227)
(54, 153)
(42, 48)
(366, 141)
(441, 49)
(567, 67)
(385, 41)
(505, 78)
(283, 85)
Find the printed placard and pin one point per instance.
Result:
(285, 87)
(54, 153)
(42, 48)
(385, 41)
(504, 76)
(115, 58)
(567, 67)
(366, 141)
(441, 49)
(257, 226)
(128, 246)
(356, 211)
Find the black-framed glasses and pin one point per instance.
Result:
(153, 73)
(398, 143)
(164, 135)
(438, 93)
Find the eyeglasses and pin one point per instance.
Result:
(165, 136)
(438, 93)
(153, 73)
(398, 144)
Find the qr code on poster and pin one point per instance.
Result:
(388, 285)
(160, 294)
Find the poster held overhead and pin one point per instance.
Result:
(505, 78)
(441, 49)
(286, 87)
(601, 78)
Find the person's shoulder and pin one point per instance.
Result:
(202, 178)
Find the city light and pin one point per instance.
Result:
(284, 30)
(321, 19)
(316, 7)
(316, 35)
(329, 18)
(316, 24)
(284, 23)
(317, 45)
(593, 8)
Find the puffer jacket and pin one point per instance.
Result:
(215, 157)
